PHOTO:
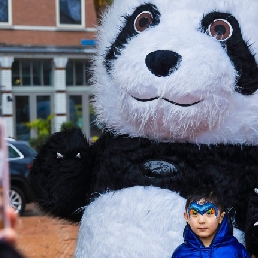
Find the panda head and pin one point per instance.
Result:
(178, 71)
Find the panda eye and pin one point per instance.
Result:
(59, 155)
(220, 29)
(143, 21)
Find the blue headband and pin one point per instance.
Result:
(202, 206)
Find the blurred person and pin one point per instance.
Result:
(8, 238)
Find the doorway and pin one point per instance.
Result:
(28, 107)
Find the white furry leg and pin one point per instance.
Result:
(134, 222)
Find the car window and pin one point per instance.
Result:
(12, 153)
(29, 150)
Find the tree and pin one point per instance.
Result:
(43, 129)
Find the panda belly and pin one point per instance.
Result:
(132, 222)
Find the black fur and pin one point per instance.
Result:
(62, 186)
(239, 53)
(251, 237)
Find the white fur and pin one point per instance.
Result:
(137, 222)
(206, 73)
(133, 222)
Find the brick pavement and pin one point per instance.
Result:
(41, 236)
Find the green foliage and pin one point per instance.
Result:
(67, 125)
(43, 129)
(92, 110)
(36, 143)
(43, 126)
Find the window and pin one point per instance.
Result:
(78, 73)
(22, 116)
(28, 107)
(75, 110)
(70, 13)
(43, 107)
(32, 72)
(5, 12)
(13, 153)
(95, 128)
(81, 113)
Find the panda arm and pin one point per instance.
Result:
(251, 232)
(60, 177)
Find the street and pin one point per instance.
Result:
(41, 236)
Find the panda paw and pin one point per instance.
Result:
(62, 171)
(256, 191)
(251, 232)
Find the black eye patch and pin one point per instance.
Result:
(144, 17)
(225, 28)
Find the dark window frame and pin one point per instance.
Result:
(17, 78)
(64, 15)
(5, 12)
(86, 72)
(19, 155)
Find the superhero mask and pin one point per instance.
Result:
(202, 207)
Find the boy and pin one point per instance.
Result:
(208, 232)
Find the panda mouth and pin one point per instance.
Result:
(172, 102)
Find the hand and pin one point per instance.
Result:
(8, 234)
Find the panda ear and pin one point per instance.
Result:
(59, 155)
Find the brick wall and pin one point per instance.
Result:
(43, 13)
(36, 13)
(41, 38)
(90, 14)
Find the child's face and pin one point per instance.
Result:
(204, 218)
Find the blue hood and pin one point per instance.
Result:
(224, 244)
(223, 235)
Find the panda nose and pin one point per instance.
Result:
(163, 62)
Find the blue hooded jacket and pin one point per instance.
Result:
(224, 244)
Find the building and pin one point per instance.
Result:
(46, 48)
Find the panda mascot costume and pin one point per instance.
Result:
(176, 93)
